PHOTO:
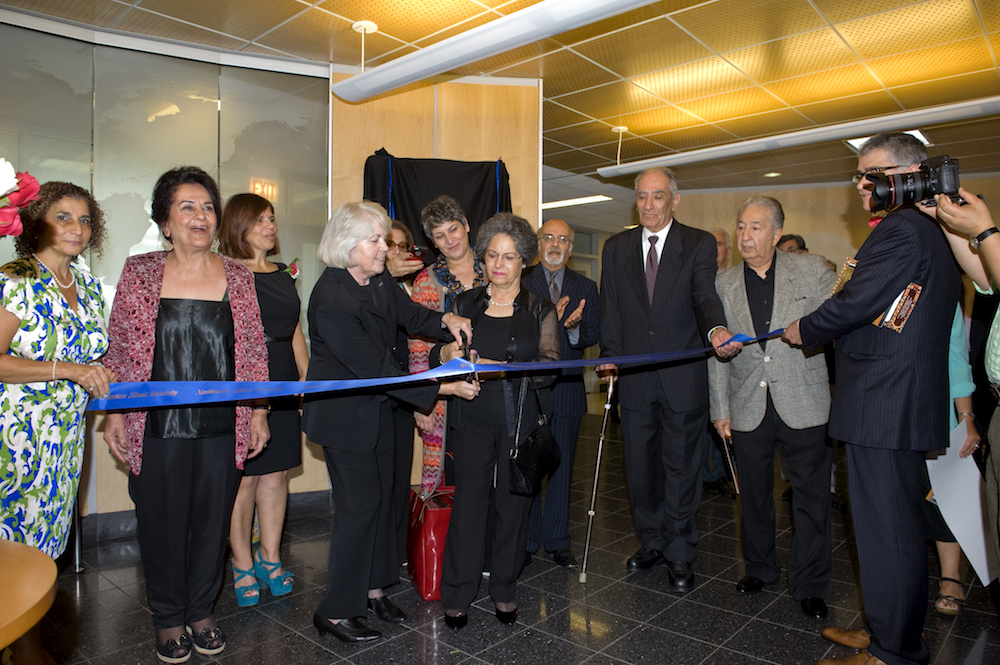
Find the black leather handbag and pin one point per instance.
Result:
(536, 457)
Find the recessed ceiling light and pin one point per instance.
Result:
(772, 174)
(916, 133)
(565, 203)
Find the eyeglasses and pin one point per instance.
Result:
(490, 255)
(860, 175)
(402, 246)
(563, 240)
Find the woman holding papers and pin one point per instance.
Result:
(186, 314)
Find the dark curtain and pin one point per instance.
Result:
(405, 186)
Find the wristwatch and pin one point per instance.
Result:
(975, 241)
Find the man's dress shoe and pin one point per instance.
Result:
(645, 558)
(509, 618)
(348, 630)
(814, 607)
(563, 558)
(385, 610)
(749, 584)
(680, 575)
(855, 639)
(457, 621)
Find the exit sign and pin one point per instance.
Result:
(266, 188)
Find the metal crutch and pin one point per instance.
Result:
(597, 474)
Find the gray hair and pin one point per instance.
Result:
(350, 224)
(439, 211)
(671, 176)
(902, 149)
(774, 211)
(724, 233)
(511, 225)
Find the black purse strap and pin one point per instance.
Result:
(520, 411)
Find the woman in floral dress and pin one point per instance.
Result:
(52, 333)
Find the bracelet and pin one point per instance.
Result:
(962, 414)
(262, 407)
(54, 370)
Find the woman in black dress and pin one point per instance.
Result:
(248, 234)
(512, 324)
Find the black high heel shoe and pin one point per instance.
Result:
(348, 630)
(456, 621)
(385, 610)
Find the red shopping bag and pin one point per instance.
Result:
(425, 540)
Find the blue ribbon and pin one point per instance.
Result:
(149, 394)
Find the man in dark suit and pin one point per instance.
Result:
(774, 394)
(658, 295)
(891, 403)
(575, 298)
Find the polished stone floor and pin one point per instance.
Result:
(100, 616)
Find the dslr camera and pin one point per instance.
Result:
(937, 175)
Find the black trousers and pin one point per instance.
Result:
(479, 449)
(403, 420)
(809, 457)
(552, 530)
(363, 551)
(183, 501)
(892, 551)
(663, 452)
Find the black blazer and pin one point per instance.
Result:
(534, 337)
(569, 395)
(892, 388)
(685, 308)
(352, 339)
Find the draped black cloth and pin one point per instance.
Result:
(404, 186)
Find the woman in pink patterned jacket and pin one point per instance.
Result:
(186, 315)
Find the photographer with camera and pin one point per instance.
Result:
(891, 402)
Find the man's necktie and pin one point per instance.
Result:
(553, 288)
(652, 265)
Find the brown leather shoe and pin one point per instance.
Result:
(860, 658)
(856, 639)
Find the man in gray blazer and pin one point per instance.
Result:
(775, 394)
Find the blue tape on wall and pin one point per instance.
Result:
(147, 394)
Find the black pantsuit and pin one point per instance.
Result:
(809, 458)
(403, 422)
(363, 531)
(665, 513)
(479, 449)
(183, 500)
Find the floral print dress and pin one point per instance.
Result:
(42, 424)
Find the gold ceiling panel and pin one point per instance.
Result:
(815, 152)
(510, 7)
(408, 20)
(577, 159)
(732, 104)
(692, 137)
(263, 50)
(851, 108)
(655, 120)
(909, 28)
(838, 11)
(646, 48)
(632, 149)
(711, 76)
(608, 25)
(553, 147)
(589, 133)
(145, 23)
(554, 116)
(989, 10)
(399, 52)
(995, 42)
(611, 100)
(563, 72)
(973, 148)
(968, 55)
(504, 60)
(775, 122)
(947, 91)
(226, 17)
(850, 80)
(453, 30)
(793, 56)
(727, 25)
(94, 12)
(833, 169)
(322, 36)
(689, 172)
(761, 162)
(966, 130)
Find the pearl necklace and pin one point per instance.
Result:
(489, 294)
(72, 277)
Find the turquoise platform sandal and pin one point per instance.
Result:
(279, 585)
(245, 595)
